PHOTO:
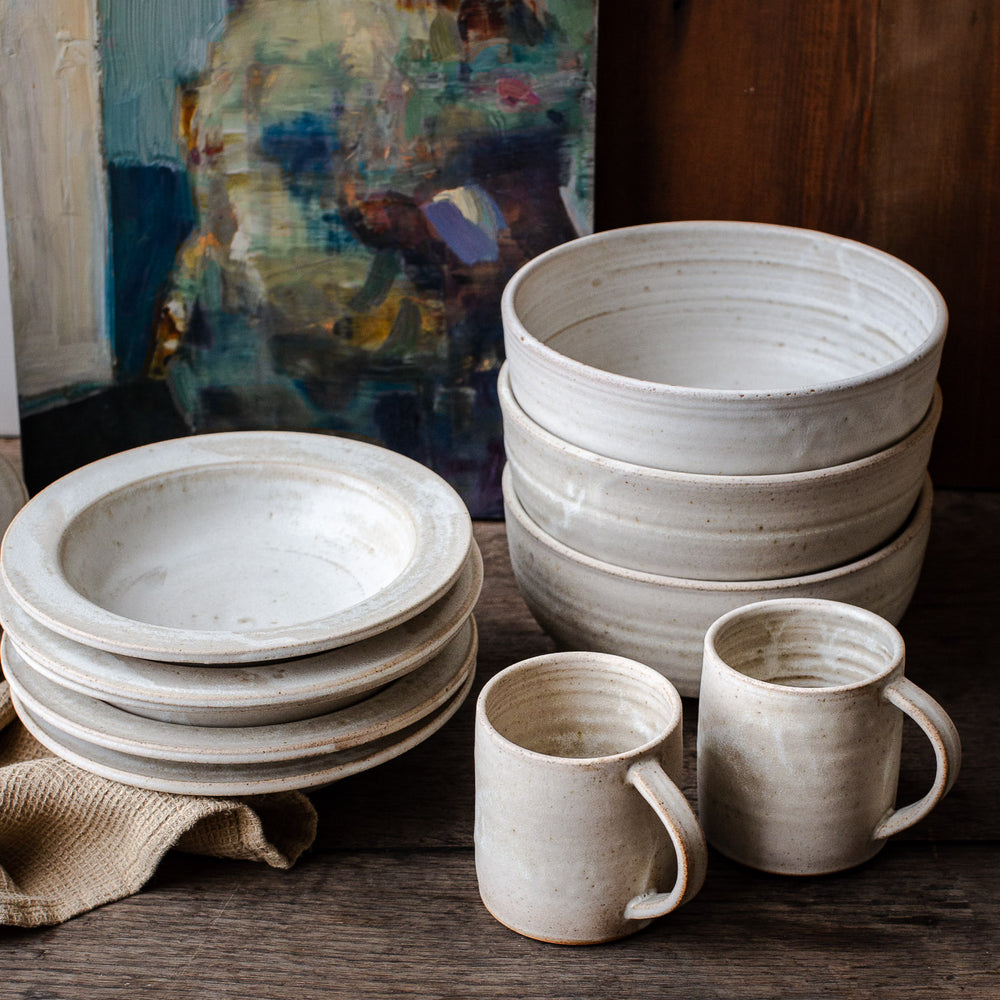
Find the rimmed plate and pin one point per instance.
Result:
(238, 779)
(236, 547)
(395, 707)
(246, 695)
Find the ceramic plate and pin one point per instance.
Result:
(238, 779)
(395, 707)
(250, 695)
(236, 547)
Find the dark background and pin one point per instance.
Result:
(872, 120)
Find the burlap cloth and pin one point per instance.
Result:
(71, 841)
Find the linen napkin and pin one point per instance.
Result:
(71, 841)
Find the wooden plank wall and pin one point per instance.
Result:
(878, 120)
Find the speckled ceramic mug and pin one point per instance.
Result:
(582, 834)
(800, 722)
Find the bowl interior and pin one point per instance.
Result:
(719, 307)
(227, 548)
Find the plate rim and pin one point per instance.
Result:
(30, 561)
(324, 674)
(395, 707)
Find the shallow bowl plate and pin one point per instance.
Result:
(248, 694)
(238, 779)
(236, 547)
(395, 707)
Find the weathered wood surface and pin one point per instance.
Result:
(386, 903)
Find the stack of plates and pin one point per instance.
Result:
(240, 613)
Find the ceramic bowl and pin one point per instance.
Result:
(585, 603)
(398, 705)
(712, 527)
(236, 547)
(250, 694)
(727, 348)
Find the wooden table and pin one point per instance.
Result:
(386, 903)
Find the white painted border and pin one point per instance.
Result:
(9, 418)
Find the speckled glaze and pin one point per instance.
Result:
(799, 732)
(581, 832)
(396, 706)
(586, 603)
(248, 694)
(712, 527)
(186, 778)
(723, 347)
(236, 547)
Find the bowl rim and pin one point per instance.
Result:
(917, 521)
(531, 428)
(30, 563)
(570, 367)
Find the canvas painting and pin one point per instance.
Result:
(299, 214)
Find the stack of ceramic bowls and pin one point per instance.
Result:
(699, 415)
(239, 613)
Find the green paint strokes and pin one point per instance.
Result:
(147, 46)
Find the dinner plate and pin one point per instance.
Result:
(395, 707)
(236, 547)
(238, 779)
(251, 694)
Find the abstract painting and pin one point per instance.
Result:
(286, 213)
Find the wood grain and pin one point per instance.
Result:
(875, 121)
(386, 902)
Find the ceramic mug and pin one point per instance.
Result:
(581, 832)
(800, 722)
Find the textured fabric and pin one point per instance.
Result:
(71, 840)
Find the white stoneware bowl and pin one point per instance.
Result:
(585, 603)
(248, 694)
(392, 709)
(729, 348)
(236, 547)
(712, 527)
(199, 778)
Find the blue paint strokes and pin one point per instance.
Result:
(469, 221)
(152, 211)
(305, 145)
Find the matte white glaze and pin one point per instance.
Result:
(185, 778)
(236, 547)
(246, 694)
(581, 832)
(585, 603)
(723, 347)
(712, 527)
(799, 732)
(393, 708)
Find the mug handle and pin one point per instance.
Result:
(941, 731)
(673, 811)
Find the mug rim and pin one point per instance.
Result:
(639, 671)
(843, 610)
